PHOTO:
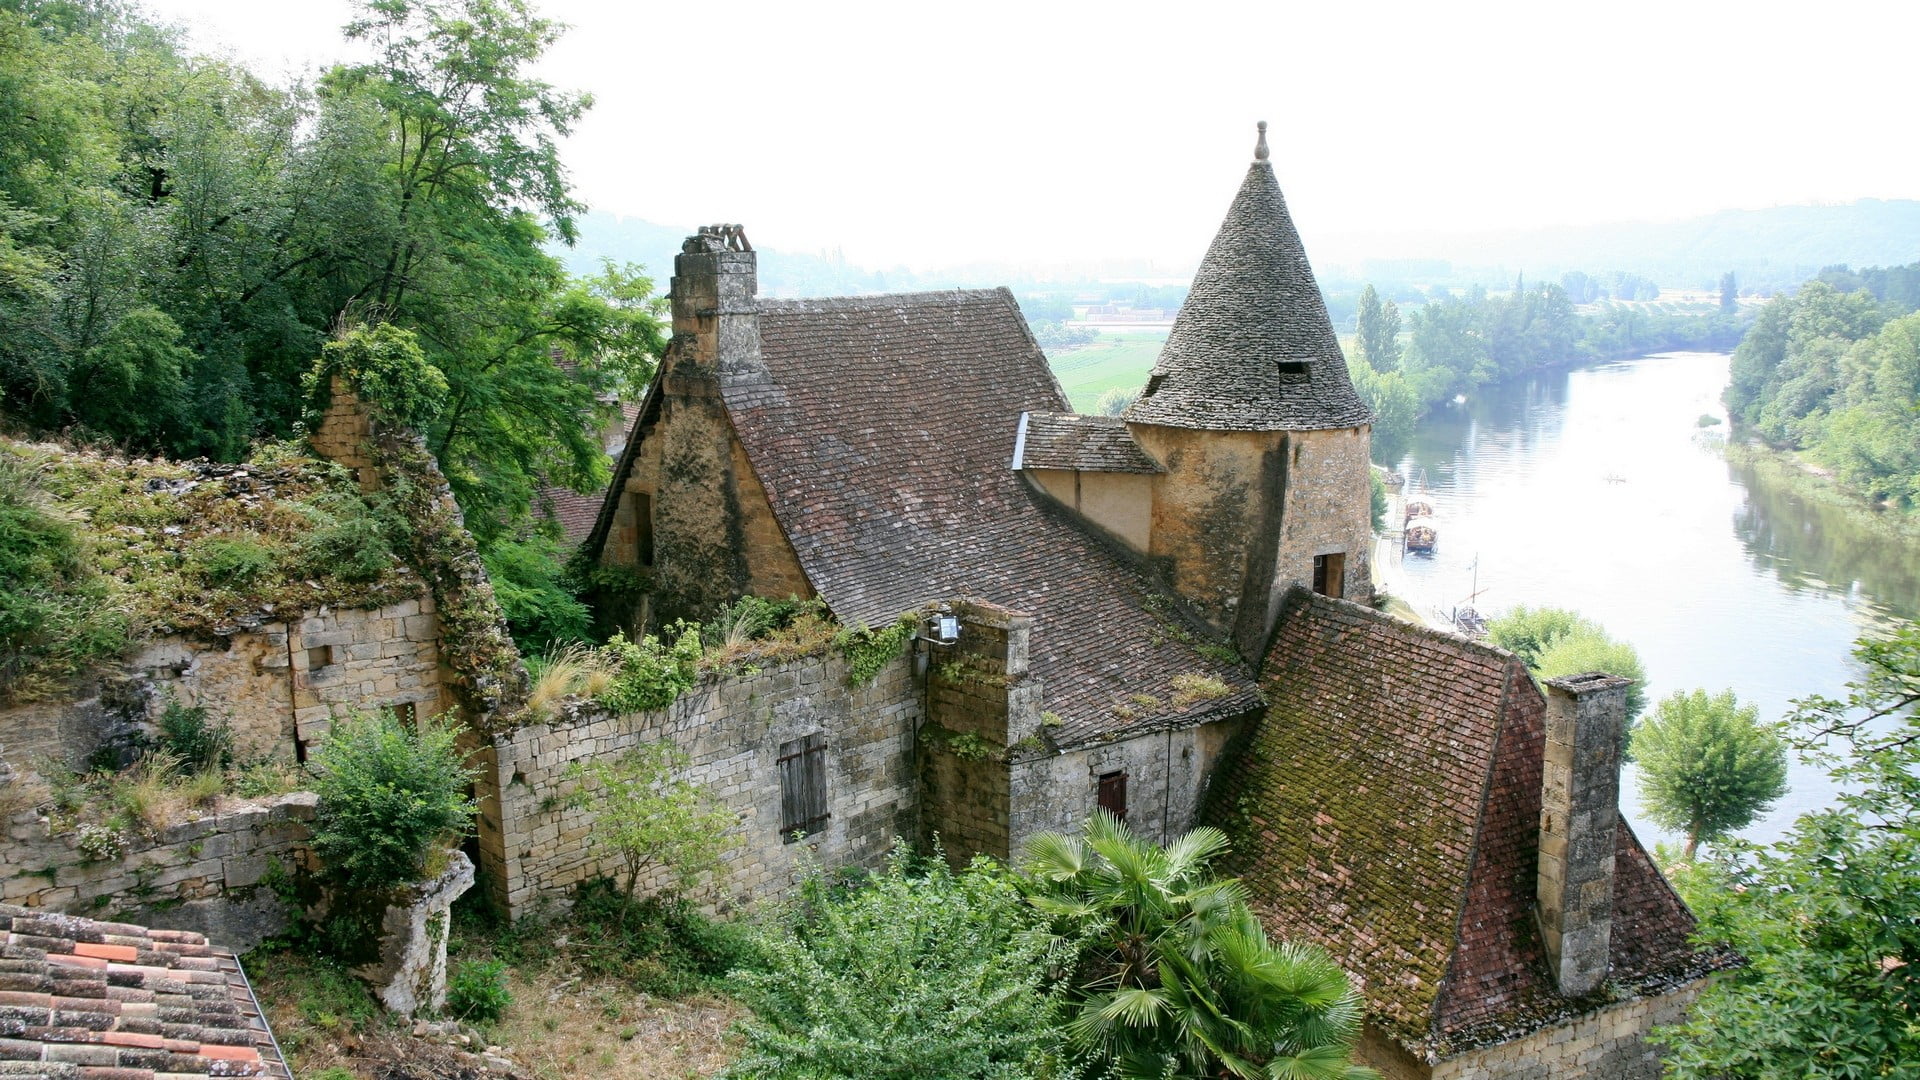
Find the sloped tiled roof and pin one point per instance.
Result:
(573, 512)
(87, 1000)
(883, 431)
(1253, 306)
(1387, 807)
(1050, 440)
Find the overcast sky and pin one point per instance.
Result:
(930, 134)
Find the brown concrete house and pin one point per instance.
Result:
(1406, 798)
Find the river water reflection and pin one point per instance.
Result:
(1599, 490)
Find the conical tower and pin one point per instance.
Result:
(1264, 441)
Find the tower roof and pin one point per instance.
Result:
(1252, 348)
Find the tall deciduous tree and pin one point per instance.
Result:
(1707, 765)
(1828, 919)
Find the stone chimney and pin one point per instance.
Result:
(1579, 816)
(715, 277)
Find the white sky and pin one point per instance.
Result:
(930, 134)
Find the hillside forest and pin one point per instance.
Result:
(178, 238)
(1834, 370)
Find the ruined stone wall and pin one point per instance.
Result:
(1608, 1044)
(1328, 509)
(1166, 775)
(278, 685)
(732, 729)
(207, 874)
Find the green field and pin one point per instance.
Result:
(1118, 358)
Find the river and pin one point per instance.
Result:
(1598, 489)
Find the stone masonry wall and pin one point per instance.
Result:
(1166, 774)
(279, 684)
(1609, 1044)
(732, 729)
(983, 707)
(205, 875)
(1329, 509)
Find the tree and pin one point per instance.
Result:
(1375, 339)
(1553, 642)
(1729, 293)
(1176, 978)
(921, 971)
(1828, 919)
(649, 817)
(1707, 765)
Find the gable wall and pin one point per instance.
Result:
(1606, 1044)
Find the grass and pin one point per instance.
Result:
(575, 670)
(1115, 360)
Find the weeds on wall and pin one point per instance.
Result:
(867, 651)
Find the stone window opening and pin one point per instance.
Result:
(1113, 794)
(803, 786)
(1292, 369)
(1153, 383)
(643, 528)
(403, 711)
(319, 656)
(1329, 574)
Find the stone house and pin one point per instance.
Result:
(1162, 614)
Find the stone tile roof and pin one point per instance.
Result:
(883, 430)
(87, 1000)
(1051, 440)
(575, 513)
(1387, 807)
(1253, 307)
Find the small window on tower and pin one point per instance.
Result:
(1113, 794)
(1293, 369)
(1153, 383)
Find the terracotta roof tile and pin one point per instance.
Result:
(1050, 440)
(112, 1001)
(883, 432)
(1387, 807)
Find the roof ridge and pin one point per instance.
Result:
(867, 300)
(1491, 652)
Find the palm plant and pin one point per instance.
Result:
(1176, 978)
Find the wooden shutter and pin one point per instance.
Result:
(803, 785)
(1113, 794)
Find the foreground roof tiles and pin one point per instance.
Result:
(883, 432)
(1387, 807)
(88, 1000)
(1252, 348)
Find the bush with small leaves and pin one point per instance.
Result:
(477, 991)
(390, 795)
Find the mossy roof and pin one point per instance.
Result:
(1386, 806)
(152, 526)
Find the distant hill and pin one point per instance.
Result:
(1775, 248)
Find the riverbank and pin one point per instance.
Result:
(1791, 469)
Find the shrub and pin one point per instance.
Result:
(234, 564)
(56, 618)
(925, 971)
(386, 366)
(867, 651)
(351, 538)
(531, 582)
(389, 796)
(651, 675)
(658, 944)
(477, 991)
(651, 819)
(190, 734)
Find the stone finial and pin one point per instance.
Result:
(1260, 152)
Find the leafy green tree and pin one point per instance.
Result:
(1828, 920)
(530, 580)
(1729, 293)
(1377, 332)
(390, 795)
(1395, 407)
(1176, 977)
(921, 971)
(650, 817)
(1553, 642)
(1707, 765)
